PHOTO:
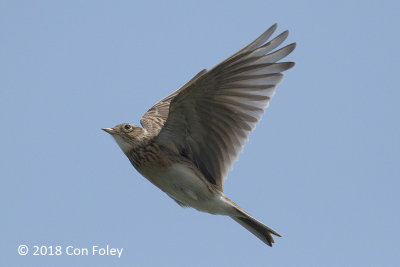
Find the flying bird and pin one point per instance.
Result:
(191, 138)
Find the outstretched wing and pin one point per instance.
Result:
(153, 120)
(210, 119)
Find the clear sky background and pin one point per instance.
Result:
(322, 167)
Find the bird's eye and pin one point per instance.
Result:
(127, 127)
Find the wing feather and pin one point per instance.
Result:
(209, 119)
(153, 120)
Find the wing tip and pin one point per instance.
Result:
(290, 64)
(273, 27)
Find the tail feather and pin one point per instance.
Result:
(257, 228)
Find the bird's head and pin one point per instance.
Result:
(127, 135)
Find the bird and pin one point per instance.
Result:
(190, 139)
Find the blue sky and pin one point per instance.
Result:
(321, 168)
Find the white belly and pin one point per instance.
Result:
(182, 184)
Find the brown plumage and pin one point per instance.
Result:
(191, 138)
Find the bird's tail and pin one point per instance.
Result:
(257, 228)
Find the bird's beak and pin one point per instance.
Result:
(109, 130)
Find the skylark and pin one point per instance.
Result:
(191, 138)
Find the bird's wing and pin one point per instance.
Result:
(153, 120)
(210, 120)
